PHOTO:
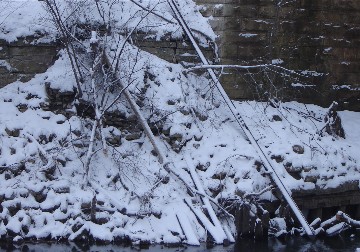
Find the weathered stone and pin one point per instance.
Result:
(61, 189)
(13, 207)
(276, 118)
(311, 178)
(13, 132)
(22, 107)
(333, 122)
(39, 194)
(49, 208)
(219, 176)
(133, 136)
(203, 167)
(321, 36)
(176, 137)
(114, 140)
(298, 149)
(26, 59)
(277, 158)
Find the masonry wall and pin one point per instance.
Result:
(321, 36)
(22, 59)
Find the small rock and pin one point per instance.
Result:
(154, 153)
(62, 189)
(171, 102)
(22, 107)
(49, 207)
(13, 132)
(14, 207)
(201, 116)
(176, 137)
(166, 131)
(133, 136)
(198, 138)
(203, 167)
(276, 118)
(39, 195)
(311, 178)
(165, 180)
(219, 176)
(298, 149)
(277, 158)
(184, 111)
(102, 220)
(12, 151)
(114, 140)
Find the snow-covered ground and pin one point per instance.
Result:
(20, 18)
(130, 194)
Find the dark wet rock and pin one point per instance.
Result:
(219, 175)
(203, 167)
(276, 118)
(277, 158)
(133, 136)
(13, 207)
(298, 149)
(22, 107)
(13, 132)
(39, 194)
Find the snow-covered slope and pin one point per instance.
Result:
(135, 197)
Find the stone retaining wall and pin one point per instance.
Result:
(321, 36)
(173, 50)
(22, 59)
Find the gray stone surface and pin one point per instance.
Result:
(25, 59)
(321, 36)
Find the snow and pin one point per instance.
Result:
(301, 85)
(134, 195)
(22, 18)
(277, 61)
(222, 150)
(311, 73)
(4, 63)
(248, 35)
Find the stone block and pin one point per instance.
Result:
(228, 50)
(288, 13)
(155, 44)
(28, 66)
(4, 52)
(184, 45)
(259, 25)
(250, 52)
(244, 37)
(29, 51)
(350, 5)
(4, 70)
(167, 54)
(287, 26)
(7, 78)
(249, 11)
(229, 10)
(267, 11)
(316, 5)
(226, 23)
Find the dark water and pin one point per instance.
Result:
(347, 242)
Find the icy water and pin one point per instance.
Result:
(343, 243)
